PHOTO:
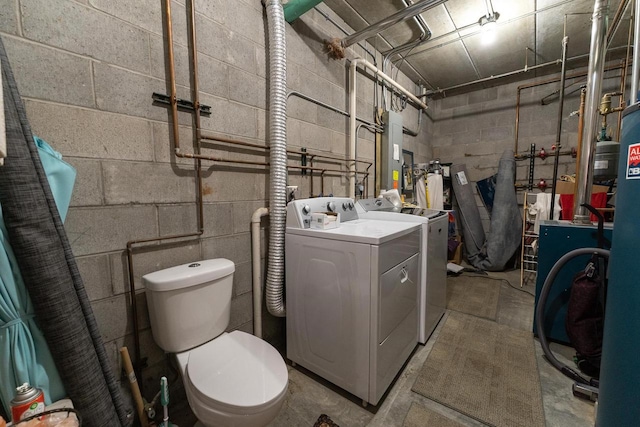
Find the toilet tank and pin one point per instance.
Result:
(189, 304)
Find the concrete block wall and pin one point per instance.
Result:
(475, 128)
(86, 70)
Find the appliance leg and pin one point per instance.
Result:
(364, 403)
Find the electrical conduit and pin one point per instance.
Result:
(278, 157)
(352, 109)
(255, 267)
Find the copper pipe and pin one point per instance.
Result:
(541, 83)
(615, 22)
(211, 137)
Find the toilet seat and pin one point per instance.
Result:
(237, 372)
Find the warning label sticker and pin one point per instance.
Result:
(633, 161)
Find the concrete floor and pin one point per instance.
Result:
(309, 396)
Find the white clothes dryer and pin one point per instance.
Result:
(351, 295)
(433, 256)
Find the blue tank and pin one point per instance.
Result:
(619, 401)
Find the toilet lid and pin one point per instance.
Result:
(237, 369)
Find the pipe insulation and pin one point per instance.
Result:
(278, 156)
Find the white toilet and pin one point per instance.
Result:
(231, 379)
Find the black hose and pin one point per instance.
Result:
(542, 302)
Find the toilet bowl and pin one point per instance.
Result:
(231, 379)
(234, 380)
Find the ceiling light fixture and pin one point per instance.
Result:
(488, 24)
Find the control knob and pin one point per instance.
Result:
(351, 206)
(331, 207)
(306, 209)
(345, 206)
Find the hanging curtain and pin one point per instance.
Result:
(50, 273)
(25, 354)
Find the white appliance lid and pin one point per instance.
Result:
(369, 231)
(238, 369)
(185, 275)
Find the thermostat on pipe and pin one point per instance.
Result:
(325, 220)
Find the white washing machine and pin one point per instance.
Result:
(351, 295)
(433, 256)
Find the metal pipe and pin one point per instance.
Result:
(420, 22)
(597, 55)
(330, 107)
(389, 21)
(216, 138)
(508, 74)
(541, 83)
(583, 97)
(635, 69)
(563, 76)
(616, 21)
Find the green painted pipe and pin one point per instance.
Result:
(296, 8)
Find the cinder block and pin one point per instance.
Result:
(261, 61)
(241, 311)
(121, 91)
(96, 276)
(150, 258)
(242, 279)
(66, 79)
(237, 248)
(87, 190)
(212, 9)
(178, 219)
(93, 230)
(147, 14)
(9, 16)
(248, 89)
(231, 184)
(213, 74)
(245, 21)
(241, 217)
(86, 32)
(297, 50)
(497, 133)
(229, 117)
(453, 101)
(134, 182)
(90, 133)
(298, 108)
(483, 95)
(112, 316)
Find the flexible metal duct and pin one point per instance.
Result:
(278, 159)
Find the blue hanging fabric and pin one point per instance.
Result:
(60, 174)
(26, 356)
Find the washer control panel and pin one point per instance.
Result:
(299, 211)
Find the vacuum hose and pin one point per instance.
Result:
(542, 302)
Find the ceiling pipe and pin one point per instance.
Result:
(595, 72)
(336, 47)
(509, 74)
(616, 21)
(420, 22)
